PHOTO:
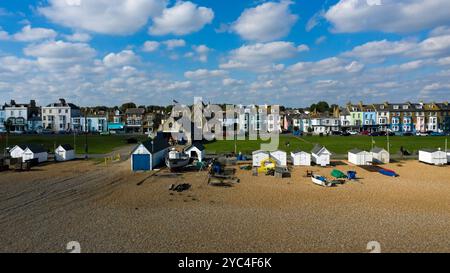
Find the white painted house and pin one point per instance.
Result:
(321, 156)
(146, 156)
(17, 151)
(301, 158)
(360, 158)
(280, 157)
(35, 152)
(433, 156)
(196, 150)
(380, 156)
(259, 156)
(64, 152)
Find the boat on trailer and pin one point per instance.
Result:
(322, 181)
(177, 160)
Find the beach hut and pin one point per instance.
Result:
(35, 152)
(258, 157)
(149, 154)
(280, 157)
(360, 158)
(320, 156)
(433, 156)
(64, 152)
(17, 151)
(301, 158)
(380, 155)
(196, 150)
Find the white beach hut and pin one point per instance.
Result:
(321, 156)
(301, 158)
(64, 152)
(380, 155)
(360, 158)
(196, 150)
(259, 156)
(35, 152)
(147, 155)
(433, 156)
(17, 151)
(280, 157)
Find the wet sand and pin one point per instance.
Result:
(104, 209)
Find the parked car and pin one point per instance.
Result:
(365, 133)
(408, 134)
(421, 134)
(353, 133)
(437, 134)
(375, 134)
(345, 133)
(336, 133)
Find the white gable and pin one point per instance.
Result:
(141, 150)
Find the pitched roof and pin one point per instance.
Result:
(377, 150)
(198, 145)
(431, 150)
(159, 143)
(36, 148)
(66, 147)
(355, 151)
(317, 148)
(139, 111)
(259, 151)
(21, 146)
(299, 151)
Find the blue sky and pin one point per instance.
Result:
(107, 52)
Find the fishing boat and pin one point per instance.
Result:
(321, 181)
(388, 172)
(177, 160)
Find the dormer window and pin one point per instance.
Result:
(382, 107)
(405, 107)
(395, 107)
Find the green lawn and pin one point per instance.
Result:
(336, 144)
(97, 144)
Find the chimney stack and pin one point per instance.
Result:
(62, 101)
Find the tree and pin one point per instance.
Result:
(321, 107)
(126, 106)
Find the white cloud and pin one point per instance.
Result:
(78, 37)
(103, 16)
(200, 53)
(266, 22)
(393, 16)
(4, 35)
(320, 40)
(150, 46)
(379, 50)
(232, 82)
(327, 66)
(181, 19)
(303, 48)
(261, 56)
(204, 74)
(60, 54)
(123, 58)
(29, 34)
(174, 43)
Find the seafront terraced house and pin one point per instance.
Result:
(356, 116)
(58, 116)
(2, 119)
(445, 116)
(402, 117)
(382, 118)
(18, 114)
(369, 121)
